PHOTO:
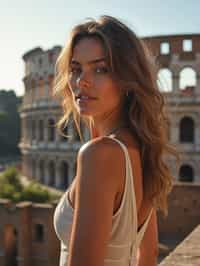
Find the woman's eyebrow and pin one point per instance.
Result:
(91, 62)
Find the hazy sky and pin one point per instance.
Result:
(26, 24)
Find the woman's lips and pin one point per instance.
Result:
(84, 100)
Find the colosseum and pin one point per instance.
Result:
(51, 158)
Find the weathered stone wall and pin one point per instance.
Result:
(184, 214)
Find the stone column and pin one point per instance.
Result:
(197, 132)
(175, 82)
(57, 175)
(174, 131)
(26, 133)
(197, 89)
(37, 136)
(29, 129)
(46, 173)
(22, 139)
(37, 171)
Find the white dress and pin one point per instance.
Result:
(124, 239)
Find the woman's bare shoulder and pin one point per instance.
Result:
(99, 146)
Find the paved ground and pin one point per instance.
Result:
(186, 253)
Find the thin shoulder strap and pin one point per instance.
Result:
(121, 144)
(143, 228)
(129, 172)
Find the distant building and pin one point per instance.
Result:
(179, 59)
(27, 236)
(47, 156)
(51, 159)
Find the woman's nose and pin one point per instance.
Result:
(83, 80)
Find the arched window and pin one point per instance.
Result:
(33, 129)
(186, 130)
(188, 79)
(186, 173)
(41, 167)
(39, 232)
(41, 130)
(51, 173)
(51, 130)
(164, 80)
(64, 175)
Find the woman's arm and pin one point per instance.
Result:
(148, 251)
(97, 183)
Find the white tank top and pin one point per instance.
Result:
(124, 240)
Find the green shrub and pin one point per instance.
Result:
(7, 191)
(11, 188)
(34, 192)
(11, 177)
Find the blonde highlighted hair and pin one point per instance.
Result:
(132, 65)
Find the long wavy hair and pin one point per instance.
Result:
(132, 65)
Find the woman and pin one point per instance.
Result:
(108, 215)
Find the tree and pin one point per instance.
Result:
(9, 123)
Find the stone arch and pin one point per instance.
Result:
(187, 78)
(51, 129)
(64, 175)
(186, 173)
(164, 80)
(10, 240)
(51, 173)
(186, 132)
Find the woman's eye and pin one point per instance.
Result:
(75, 70)
(101, 70)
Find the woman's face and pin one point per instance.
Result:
(90, 76)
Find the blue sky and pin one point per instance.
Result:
(25, 24)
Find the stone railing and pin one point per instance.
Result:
(187, 253)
